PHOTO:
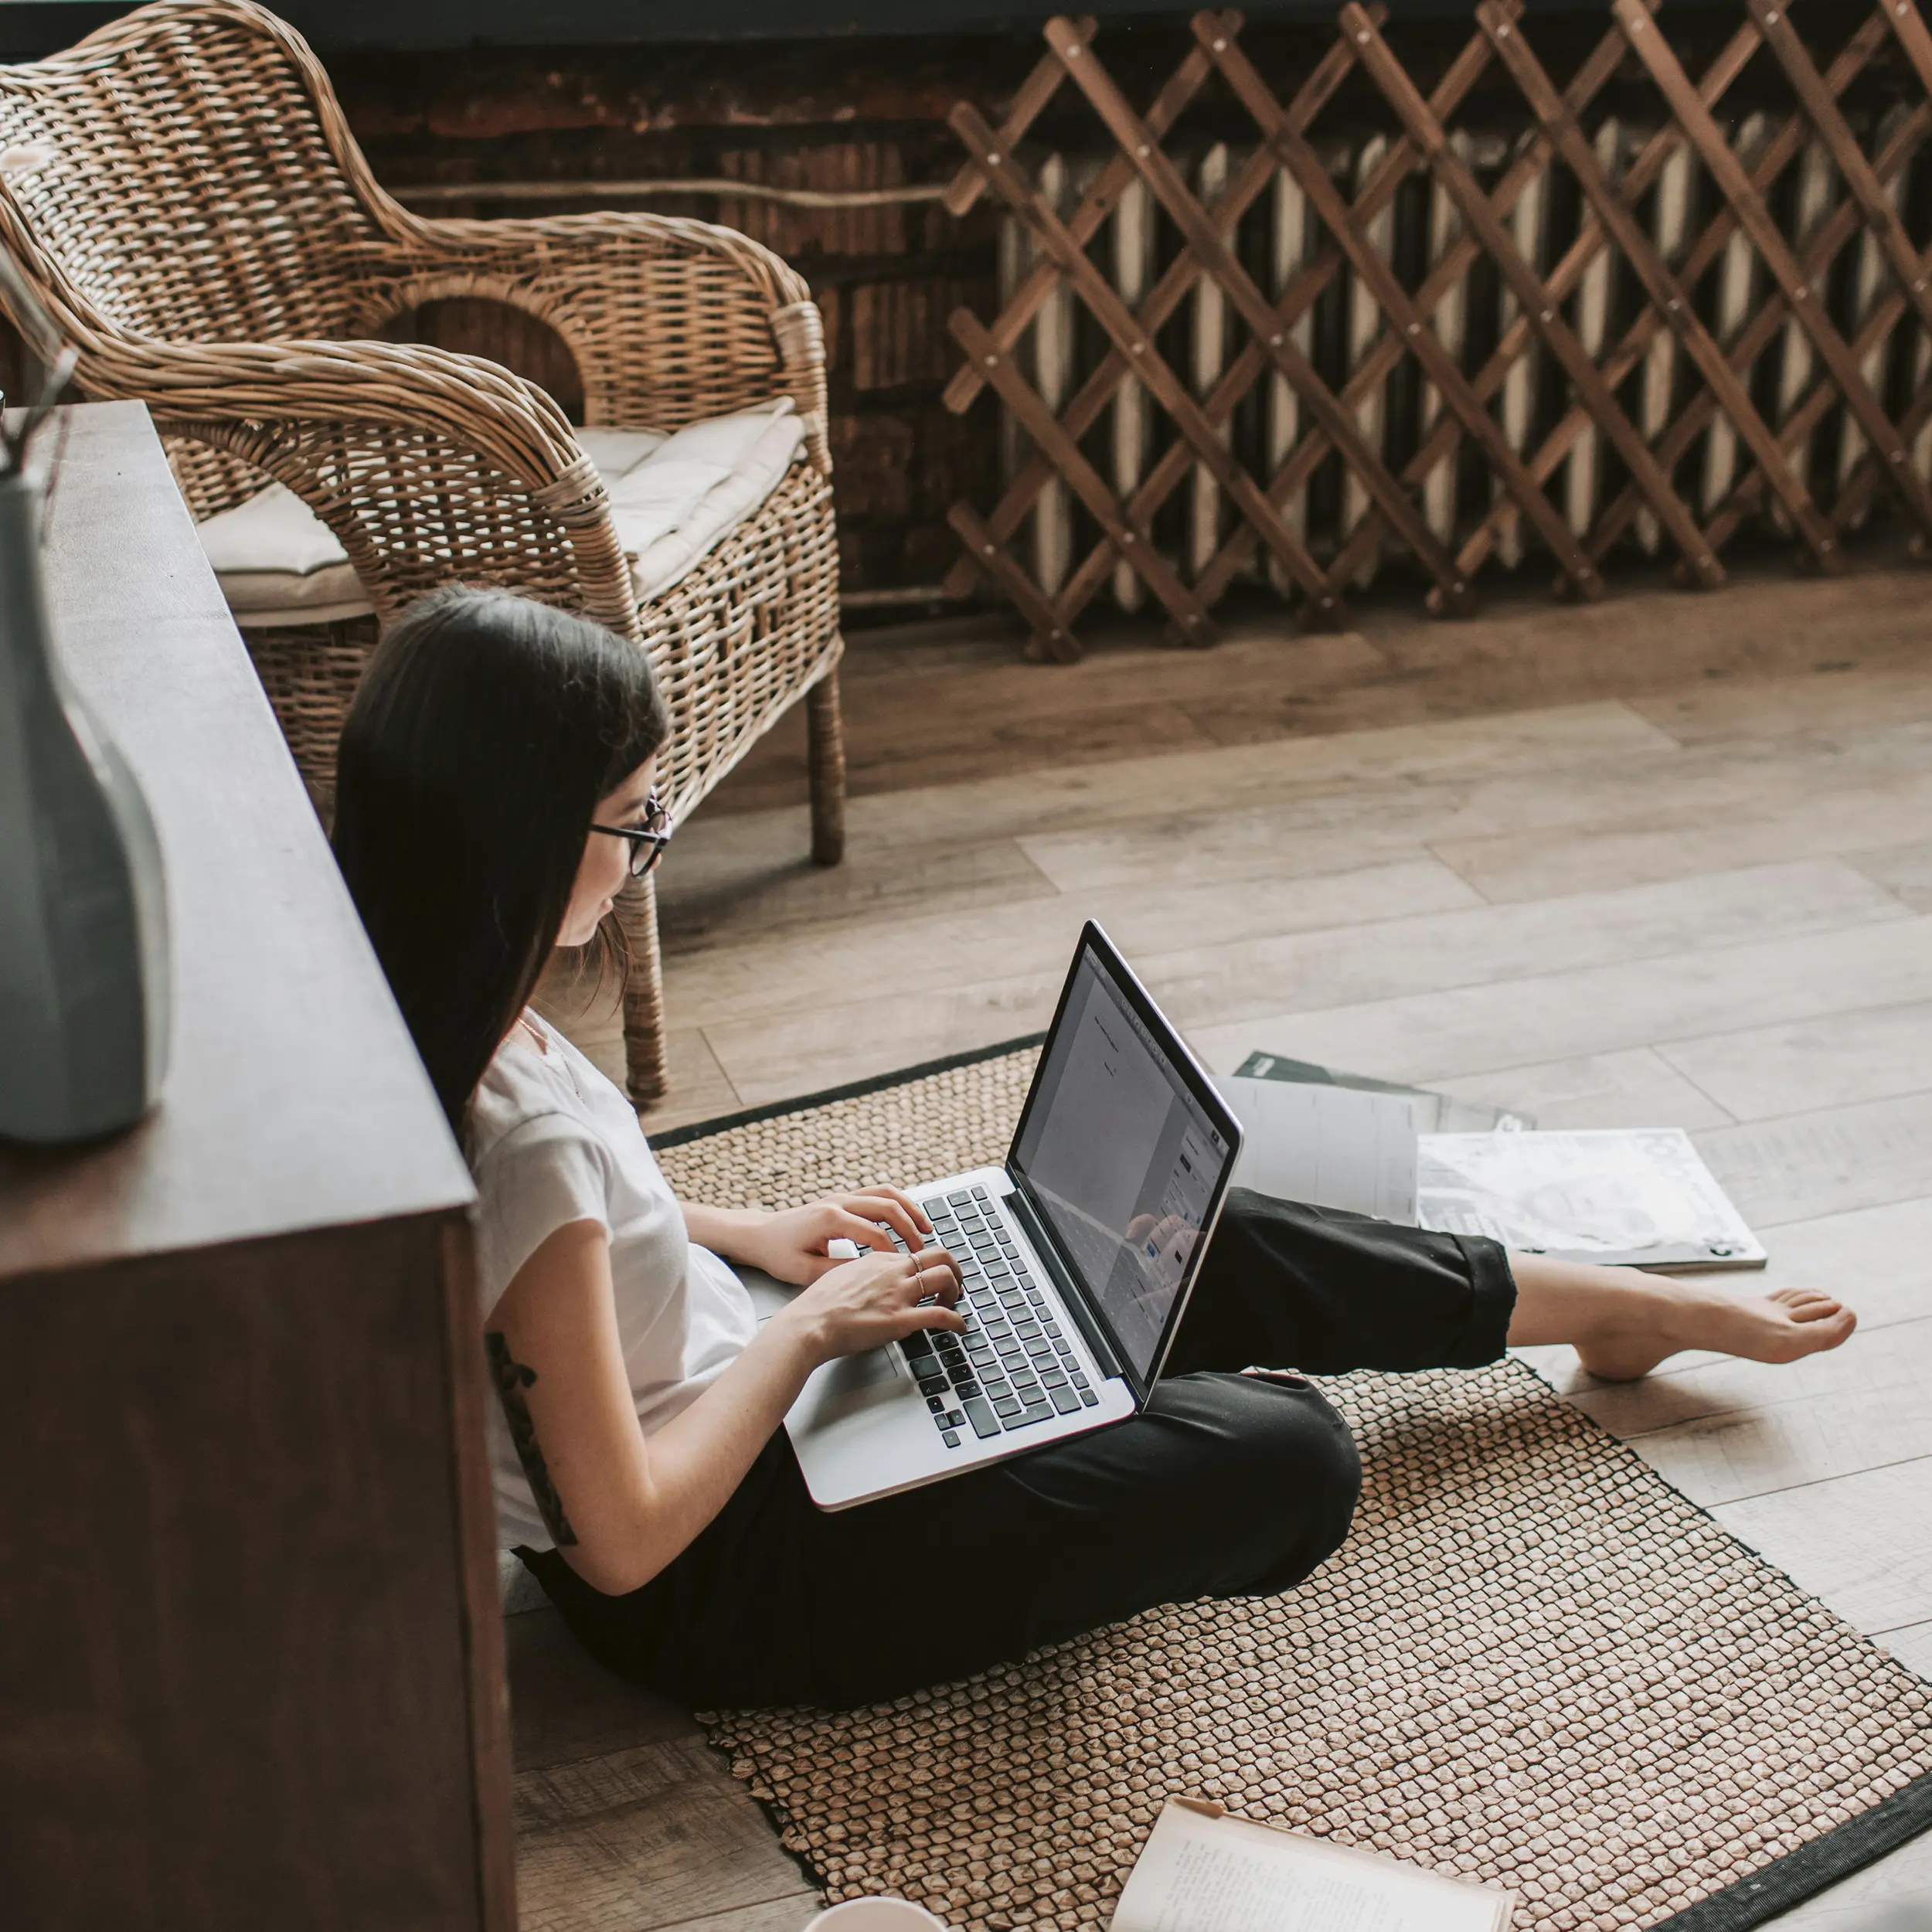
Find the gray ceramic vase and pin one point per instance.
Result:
(84, 920)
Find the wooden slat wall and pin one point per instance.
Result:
(1516, 307)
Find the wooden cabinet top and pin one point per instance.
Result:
(295, 1100)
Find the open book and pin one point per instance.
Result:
(1202, 1871)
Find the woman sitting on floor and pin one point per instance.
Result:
(494, 793)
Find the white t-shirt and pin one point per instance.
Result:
(551, 1141)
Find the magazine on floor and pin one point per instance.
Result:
(1203, 1871)
(1640, 1197)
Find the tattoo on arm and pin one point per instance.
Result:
(512, 1378)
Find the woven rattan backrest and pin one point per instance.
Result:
(196, 189)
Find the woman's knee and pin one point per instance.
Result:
(1280, 1472)
(1306, 1446)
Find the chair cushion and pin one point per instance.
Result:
(617, 452)
(673, 499)
(685, 497)
(274, 554)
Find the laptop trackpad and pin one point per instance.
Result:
(837, 1389)
(852, 1384)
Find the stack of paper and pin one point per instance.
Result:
(1332, 1146)
(1433, 1113)
(1340, 1140)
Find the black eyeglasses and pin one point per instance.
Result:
(648, 841)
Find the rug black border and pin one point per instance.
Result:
(899, 1076)
(1740, 1907)
(1800, 1875)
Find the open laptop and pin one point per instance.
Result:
(1077, 1258)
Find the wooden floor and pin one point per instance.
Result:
(1663, 861)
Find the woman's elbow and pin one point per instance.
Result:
(614, 1570)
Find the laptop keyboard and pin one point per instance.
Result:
(1012, 1369)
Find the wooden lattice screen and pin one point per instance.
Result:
(1680, 314)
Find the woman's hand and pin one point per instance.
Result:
(857, 1305)
(791, 1245)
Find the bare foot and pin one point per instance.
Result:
(1645, 1324)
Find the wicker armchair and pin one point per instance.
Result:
(201, 221)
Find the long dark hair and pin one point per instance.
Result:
(485, 730)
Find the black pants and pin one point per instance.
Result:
(1225, 1484)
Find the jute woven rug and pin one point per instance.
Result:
(1533, 1662)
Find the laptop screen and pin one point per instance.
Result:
(1124, 1148)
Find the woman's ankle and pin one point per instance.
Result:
(1580, 1302)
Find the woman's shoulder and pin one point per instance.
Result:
(540, 1162)
(551, 1142)
(526, 1103)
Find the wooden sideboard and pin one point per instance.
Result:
(251, 1669)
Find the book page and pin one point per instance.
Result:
(1201, 1874)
